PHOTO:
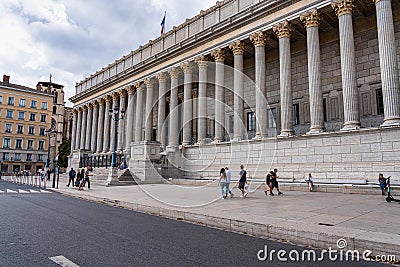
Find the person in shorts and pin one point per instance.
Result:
(274, 183)
(268, 181)
(242, 180)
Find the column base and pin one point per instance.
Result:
(286, 133)
(351, 126)
(391, 122)
(315, 130)
(112, 176)
(236, 139)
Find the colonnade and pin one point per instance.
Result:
(93, 128)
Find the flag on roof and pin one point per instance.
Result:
(163, 23)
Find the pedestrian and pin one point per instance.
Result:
(71, 175)
(87, 175)
(82, 180)
(228, 181)
(242, 180)
(274, 182)
(78, 178)
(222, 182)
(309, 182)
(42, 174)
(268, 183)
(48, 174)
(382, 183)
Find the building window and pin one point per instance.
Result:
(20, 129)
(231, 123)
(10, 101)
(42, 118)
(32, 117)
(54, 110)
(41, 145)
(31, 130)
(324, 109)
(6, 155)
(18, 144)
(41, 131)
(379, 102)
(30, 144)
(17, 156)
(251, 121)
(272, 118)
(28, 157)
(9, 114)
(8, 127)
(1, 99)
(21, 115)
(44, 105)
(6, 143)
(22, 102)
(40, 158)
(296, 114)
(33, 104)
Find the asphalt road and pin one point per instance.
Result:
(35, 227)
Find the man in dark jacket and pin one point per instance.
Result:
(71, 175)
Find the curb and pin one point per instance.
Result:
(324, 239)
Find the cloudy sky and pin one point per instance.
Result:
(72, 39)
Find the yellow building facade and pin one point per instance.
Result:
(25, 115)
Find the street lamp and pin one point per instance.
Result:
(114, 116)
(48, 133)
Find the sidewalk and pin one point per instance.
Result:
(312, 219)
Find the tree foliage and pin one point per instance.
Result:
(64, 151)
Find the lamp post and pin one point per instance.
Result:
(114, 116)
(48, 133)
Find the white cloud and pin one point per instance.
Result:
(72, 39)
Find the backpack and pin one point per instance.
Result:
(268, 179)
(73, 174)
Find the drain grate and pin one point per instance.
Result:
(325, 224)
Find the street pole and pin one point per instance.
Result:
(114, 153)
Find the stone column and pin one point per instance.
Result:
(115, 97)
(93, 138)
(388, 62)
(173, 110)
(83, 127)
(100, 127)
(344, 9)
(121, 130)
(283, 30)
(311, 22)
(162, 89)
(148, 132)
(130, 117)
(139, 111)
(219, 56)
(237, 48)
(107, 119)
(74, 130)
(78, 130)
(202, 62)
(259, 41)
(187, 68)
(89, 126)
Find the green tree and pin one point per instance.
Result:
(64, 151)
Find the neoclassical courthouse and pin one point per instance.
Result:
(299, 85)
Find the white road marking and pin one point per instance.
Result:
(11, 191)
(1, 191)
(63, 261)
(23, 191)
(44, 191)
(33, 191)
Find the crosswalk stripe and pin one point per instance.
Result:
(44, 191)
(1, 191)
(11, 191)
(33, 191)
(23, 191)
(63, 261)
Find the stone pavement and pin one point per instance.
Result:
(315, 219)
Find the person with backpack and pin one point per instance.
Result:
(71, 175)
(242, 180)
(268, 182)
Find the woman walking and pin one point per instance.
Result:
(222, 182)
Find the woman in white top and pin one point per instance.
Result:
(222, 182)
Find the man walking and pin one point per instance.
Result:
(274, 182)
(228, 181)
(71, 174)
(242, 180)
(87, 174)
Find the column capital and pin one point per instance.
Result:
(219, 54)
(100, 101)
(95, 103)
(258, 39)
(310, 18)
(283, 29)
(187, 67)
(76, 110)
(162, 77)
(121, 93)
(138, 86)
(90, 106)
(343, 7)
(181, 97)
(194, 94)
(107, 98)
(202, 61)
(130, 89)
(376, 1)
(149, 82)
(237, 47)
(174, 72)
(115, 96)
